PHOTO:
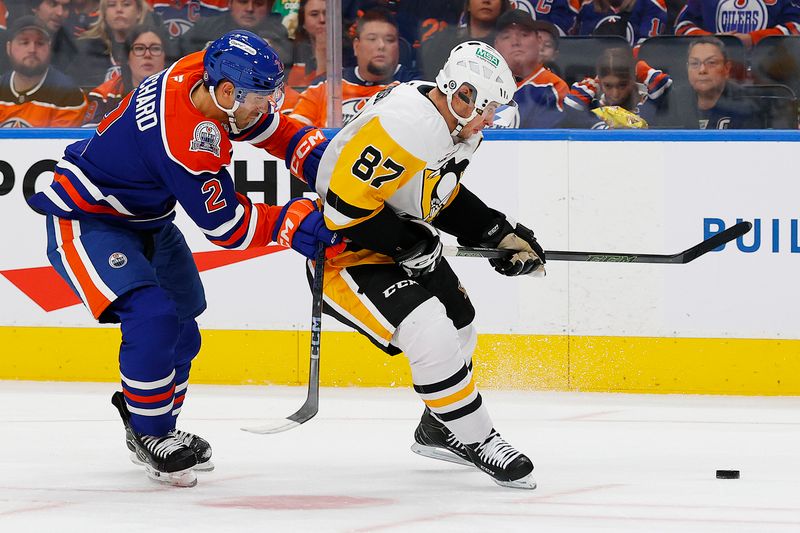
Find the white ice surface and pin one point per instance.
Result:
(616, 463)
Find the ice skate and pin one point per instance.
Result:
(201, 447)
(434, 440)
(166, 459)
(507, 466)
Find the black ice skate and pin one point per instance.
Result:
(507, 466)
(434, 440)
(201, 447)
(166, 459)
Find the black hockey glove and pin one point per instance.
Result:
(529, 259)
(424, 255)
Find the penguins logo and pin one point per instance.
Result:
(438, 186)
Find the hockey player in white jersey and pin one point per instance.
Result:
(390, 181)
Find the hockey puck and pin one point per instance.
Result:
(727, 474)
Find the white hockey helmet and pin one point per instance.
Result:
(481, 67)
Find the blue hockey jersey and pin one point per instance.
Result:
(759, 18)
(647, 18)
(156, 149)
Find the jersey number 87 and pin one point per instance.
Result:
(364, 167)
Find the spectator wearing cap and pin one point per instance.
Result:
(633, 20)
(540, 93)
(145, 54)
(478, 24)
(548, 43)
(252, 15)
(35, 94)
(377, 52)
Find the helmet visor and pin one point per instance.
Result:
(263, 101)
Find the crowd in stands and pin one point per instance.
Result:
(578, 63)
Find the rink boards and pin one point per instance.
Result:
(726, 323)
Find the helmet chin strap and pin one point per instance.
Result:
(460, 121)
(229, 112)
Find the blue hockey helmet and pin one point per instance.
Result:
(246, 60)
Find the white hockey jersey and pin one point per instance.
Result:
(398, 152)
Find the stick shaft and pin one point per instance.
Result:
(686, 256)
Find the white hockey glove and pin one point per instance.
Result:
(530, 257)
(423, 257)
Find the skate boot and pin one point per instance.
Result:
(507, 466)
(201, 447)
(434, 440)
(166, 459)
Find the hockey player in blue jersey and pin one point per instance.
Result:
(110, 233)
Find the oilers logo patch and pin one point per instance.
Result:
(16, 123)
(352, 107)
(527, 7)
(117, 260)
(206, 138)
(741, 16)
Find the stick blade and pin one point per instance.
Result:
(270, 429)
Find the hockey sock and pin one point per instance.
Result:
(439, 371)
(150, 328)
(186, 349)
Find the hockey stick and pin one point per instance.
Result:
(679, 258)
(311, 405)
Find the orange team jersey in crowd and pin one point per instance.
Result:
(103, 99)
(312, 107)
(298, 77)
(54, 103)
(3, 16)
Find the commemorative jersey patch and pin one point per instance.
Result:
(206, 138)
(117, 260)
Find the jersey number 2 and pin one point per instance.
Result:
(365, 165)
(213, 203)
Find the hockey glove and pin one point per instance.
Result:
(529, 257)
(300, 225)
(304, 153)
(423, 257)
(655, 80)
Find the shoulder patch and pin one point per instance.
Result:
(206, 138)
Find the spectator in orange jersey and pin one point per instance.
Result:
(310, 44)
(146, 55)
(377, 52)
(34, 94)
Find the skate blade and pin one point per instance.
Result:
(526, 482)
(208, 466)
(438, 453)
(181, 478)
